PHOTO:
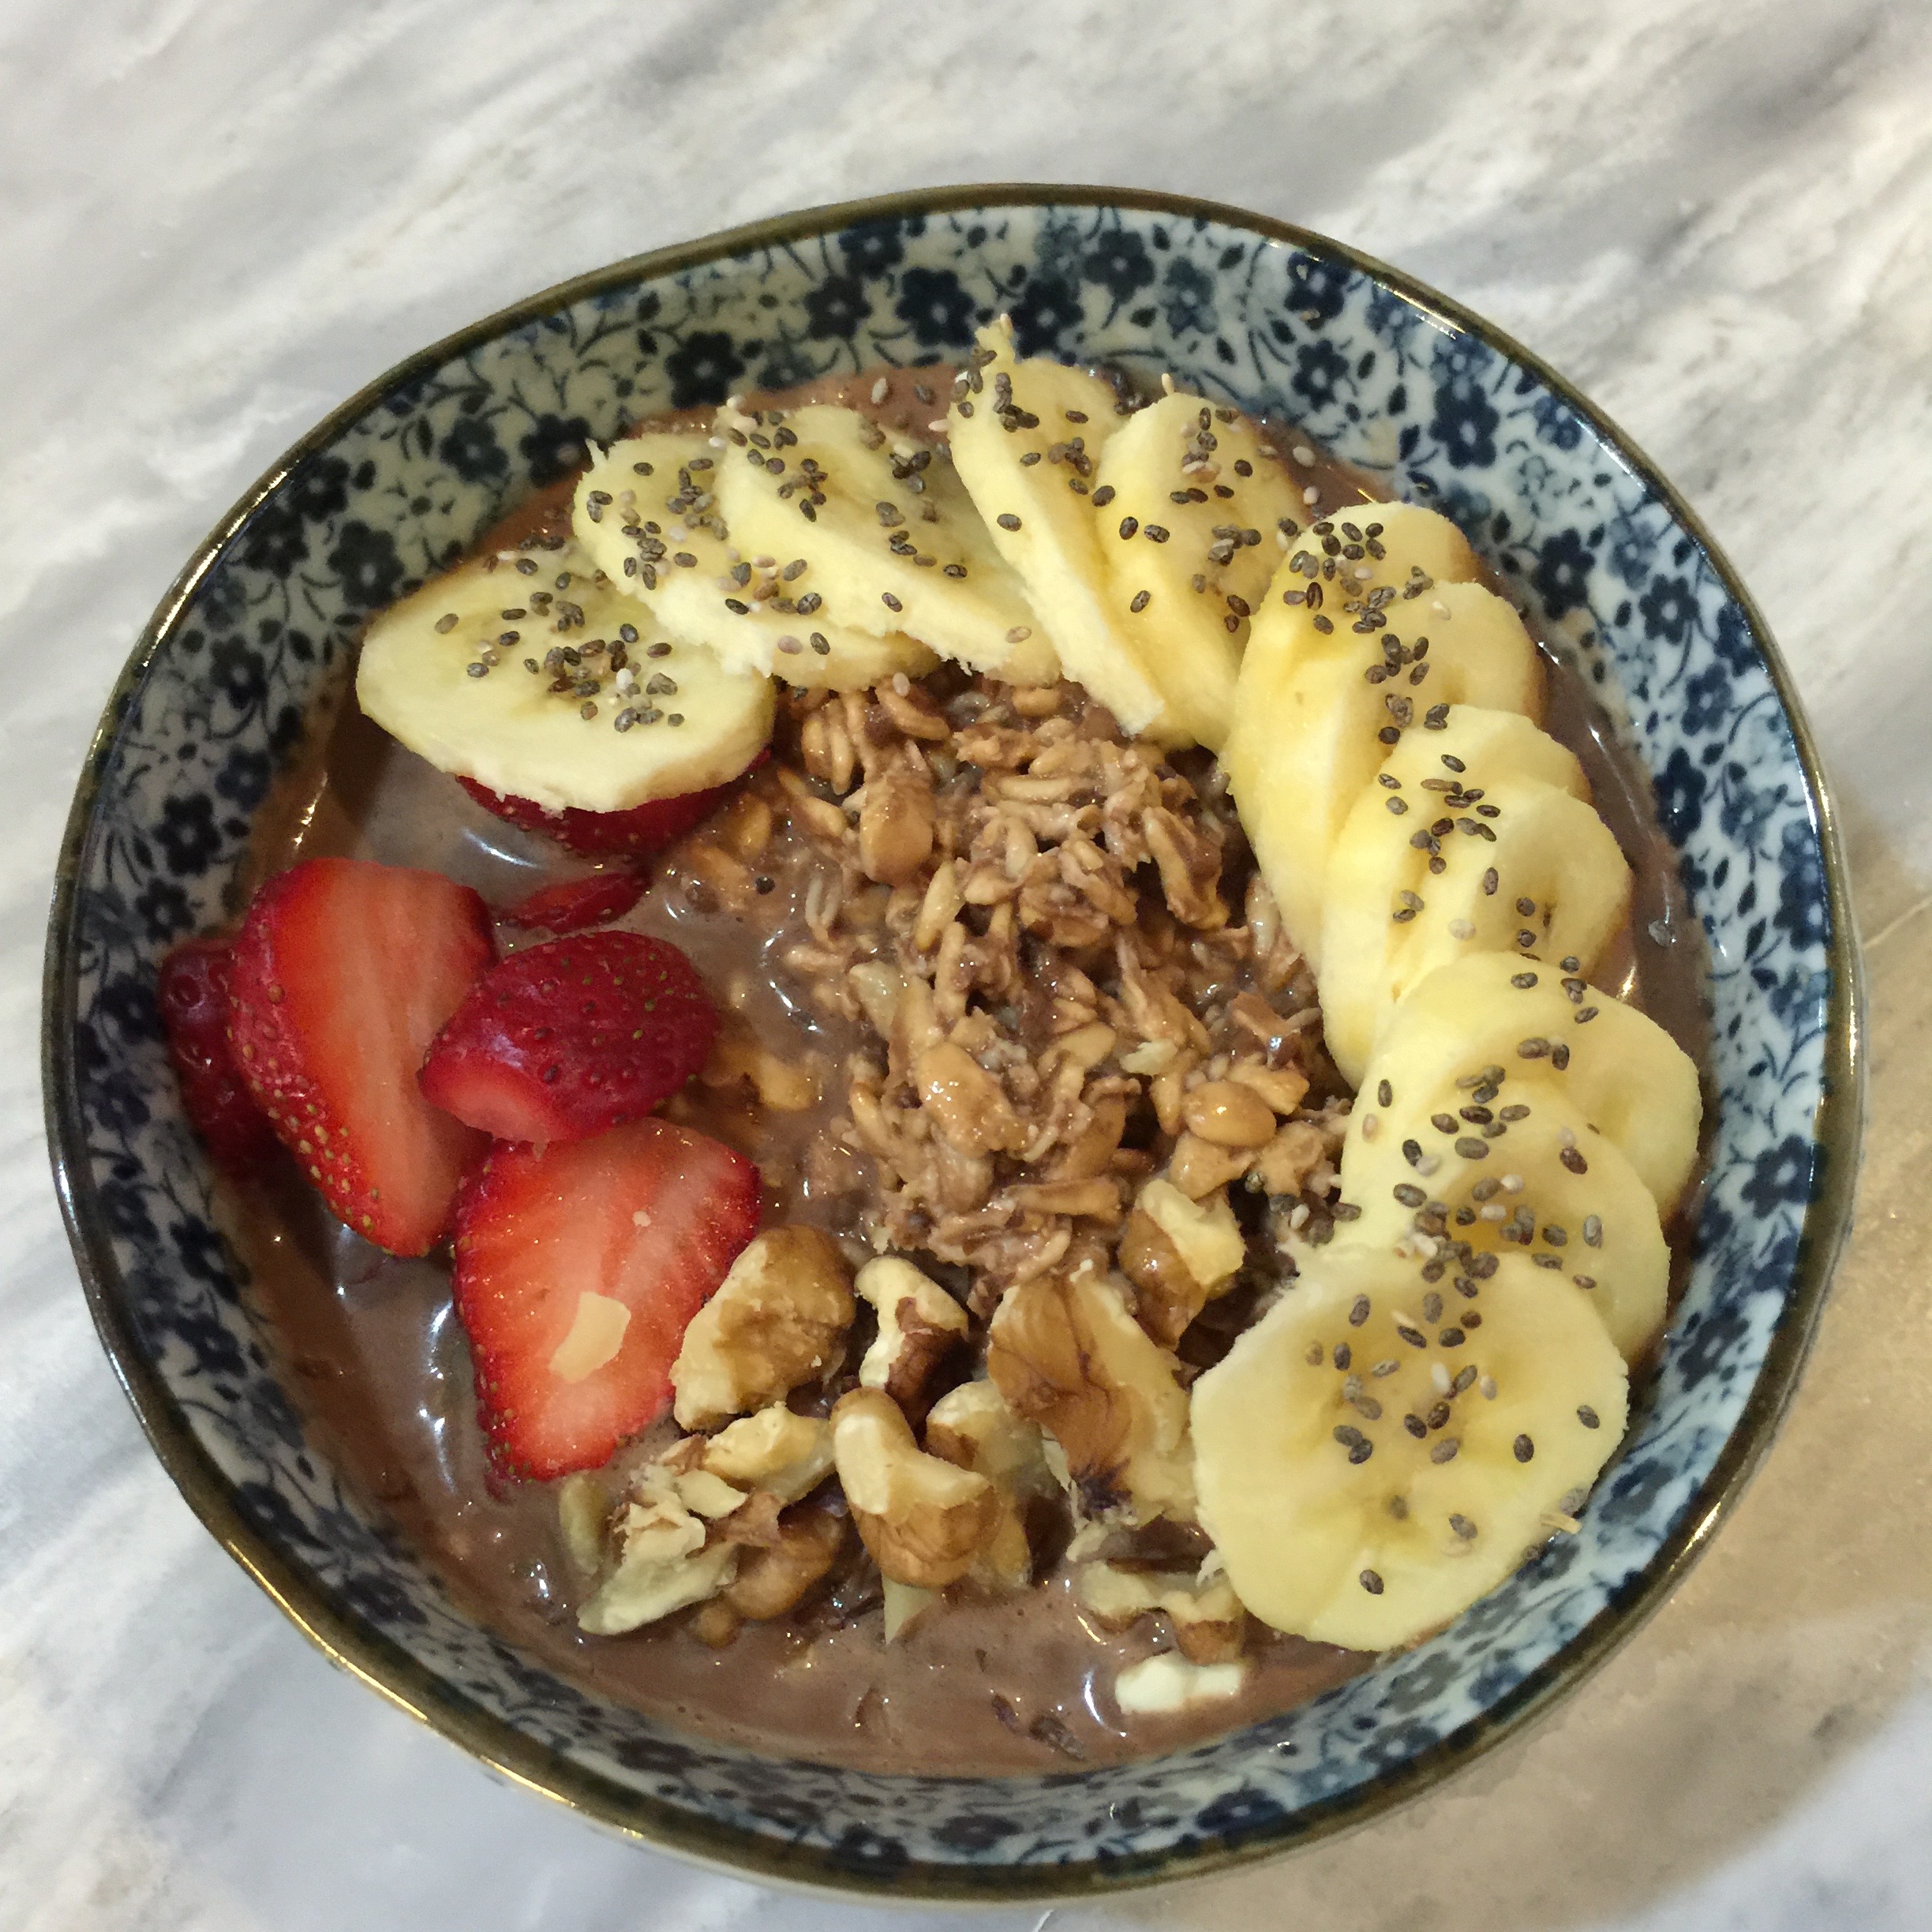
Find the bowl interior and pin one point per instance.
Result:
(1388, 376)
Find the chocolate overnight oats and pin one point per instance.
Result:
(1013, 1118)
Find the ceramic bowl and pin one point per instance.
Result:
(1276, 321)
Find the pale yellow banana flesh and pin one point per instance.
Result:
(1025, 435)
(1316, 712)
(889, 531)
(1510, 1032)
(645, 513)
(507, 729)
(1369, 1464)
(1549, 1186)
(1193, 496)
(1479, 838)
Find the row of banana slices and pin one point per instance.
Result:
(1383, 1448)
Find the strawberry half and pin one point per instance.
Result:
(574, 903)
(570, 1038)
(643, 829)
(193, 995)
(344, 970)
(578, 1267)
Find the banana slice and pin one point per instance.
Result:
(1189, 499)
(646, 514)
(1024, 436)
(1368, 1469)
(1406, 545)
(888, 532)
(1495, 1032)
(1478, 838)
(1316, 712)
(1590, 1222)
(464, 673)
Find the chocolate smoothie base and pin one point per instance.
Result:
(377, 1359)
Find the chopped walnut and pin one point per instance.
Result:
(919, 1325)
(778, 1320)
(774, 1579)
(1208, 1622)
(1067, 1354)
(1179, 1254)
(775, 1450)
(665, 1562)
(924, 1520)
(973, 1426)
(1289, 1161)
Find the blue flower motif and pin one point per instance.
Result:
(199, 1249)
(163, 910)
(1732, 640)
(1803, 910)
(553, 447)
(1239, 1813)
(472, 450)
(871, 247)
(236, 669)
(1189, 300)
(1418, 1685)
(1668, 609)
(244, 777)
(934, 304)
(1707, 1340)
(1747, 808)
(1120, 262)
(1780, 1174)
(838, 307)
(1399, 1743)
(1562, 574)
(365, 562)
(1042, 313)
(1320, 368)
(186, 834)
(1556, 422)
(1317, 288)
(274, 539)
(1706, 698)
(703, 368)
(318, 489)
(1465, 423)
(1680, 789)
(1635, 1490)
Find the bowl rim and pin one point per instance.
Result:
(382, 1664)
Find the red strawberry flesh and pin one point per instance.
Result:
(572, 1038)
(573, 903)
(193, 995)
(643, 829)
(649, 1216)
(344, 971)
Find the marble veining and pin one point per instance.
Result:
(1711, 218)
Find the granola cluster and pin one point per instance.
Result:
(1084, 1103)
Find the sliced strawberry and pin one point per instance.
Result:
(343, 972)
(193, 995)
(644, 829)
(572, 1038)
(574, 904)
(648, 1217)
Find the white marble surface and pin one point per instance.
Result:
(217, 217)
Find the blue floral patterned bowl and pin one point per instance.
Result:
(1387, 375)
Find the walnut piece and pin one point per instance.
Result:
(923, 1519)
(776, 1450)
(664, 1564)
(772, 1580)
(1068, 1355)
(778, 1320)
(972, 1427)
(1179, 1254)
(919, 1324)
(1208, 1622)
